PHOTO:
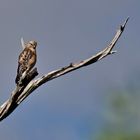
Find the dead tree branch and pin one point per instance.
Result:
(21, 92)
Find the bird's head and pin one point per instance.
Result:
(33, 43)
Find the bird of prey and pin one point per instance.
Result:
(26, 60)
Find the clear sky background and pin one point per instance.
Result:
(70, 107)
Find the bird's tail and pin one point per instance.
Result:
(20, 71)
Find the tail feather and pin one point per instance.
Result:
(20, 71)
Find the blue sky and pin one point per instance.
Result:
(70, 107)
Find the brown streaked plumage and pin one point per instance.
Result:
(27, 59)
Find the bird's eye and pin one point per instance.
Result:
(33, 44)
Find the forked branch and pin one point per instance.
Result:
(22, 92)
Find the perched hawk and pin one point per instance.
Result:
(27, 59)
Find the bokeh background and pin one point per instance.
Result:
(98, 102)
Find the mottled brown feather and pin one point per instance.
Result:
(26, 60)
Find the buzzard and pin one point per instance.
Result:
(26, 60)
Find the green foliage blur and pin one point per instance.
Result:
(121, 116)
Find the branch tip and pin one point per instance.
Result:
(124, 24)
(22, 42)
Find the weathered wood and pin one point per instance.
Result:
(9, 106)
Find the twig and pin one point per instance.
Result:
(22, 43)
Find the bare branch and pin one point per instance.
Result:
(9, 106)
(21, 92)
